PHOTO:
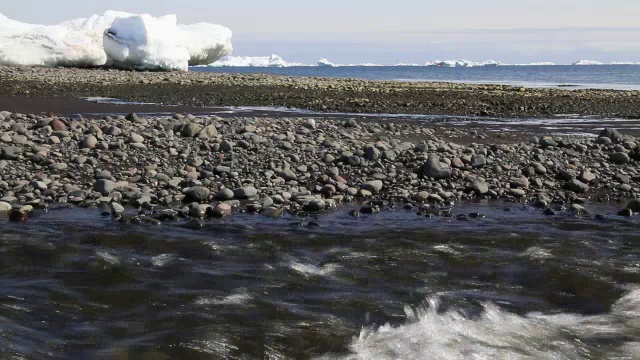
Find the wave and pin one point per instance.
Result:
(114, 38)
(497, 334)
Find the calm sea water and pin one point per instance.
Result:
(602, 76)
(511, 285)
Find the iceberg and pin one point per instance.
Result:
(463, 63)
(587, 62)
(253, 61)
(325, 63)
(115, 38)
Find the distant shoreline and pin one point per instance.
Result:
(196, 89)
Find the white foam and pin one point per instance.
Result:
(498, 334)
(127, 40)
(310, 270)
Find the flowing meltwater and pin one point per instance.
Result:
(510, 283)
(497, 334)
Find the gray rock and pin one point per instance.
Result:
(104, 186)
(478, 161)
(433, 168)
(375, 186)
(226, 146)
(245, 192)
(316, 205)
(619, 158)
(11, 152)
(5, 206)
(612, 134)
(587, 176)
(197, 193)
(89, 142)
(480, 187)
(135, 138)
(547, 141)
(634, 205)
(577, 186)
(190, 130)
(225, 194)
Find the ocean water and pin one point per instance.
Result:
(513, 284)
(624, 77)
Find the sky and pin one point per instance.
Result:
(353, 31)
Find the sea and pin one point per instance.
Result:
(620, 77)
(495, 280)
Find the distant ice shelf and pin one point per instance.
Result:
(119, 39)
(278, 61)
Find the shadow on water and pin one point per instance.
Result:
(80, 286)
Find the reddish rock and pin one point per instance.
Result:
(57, 125)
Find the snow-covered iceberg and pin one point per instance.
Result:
(325, 63)
(253, 61)
(114, 38)
(462, 63)
(587, 62)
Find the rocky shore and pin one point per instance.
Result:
(324, 94)
(164, 168)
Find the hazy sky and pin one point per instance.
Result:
(393, 31)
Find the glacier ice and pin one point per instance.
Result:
(326, 63)
(206, 43)
(114, 38)
(143, 42)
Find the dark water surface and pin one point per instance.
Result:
(513, 285)
(624, 77)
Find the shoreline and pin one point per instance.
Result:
(198, 89)
(171, 167)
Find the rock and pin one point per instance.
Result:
(225, 194)
(587, 176)
(190, 130)
(105, 187)
(5, 206)
(547, 141)
(612, 134)
(197, 193)
(117, 209)
(226, 146)
(478, 161)
(619, 158)
(480, 187)
(288, 175)
(316, 205)
(433, 168)
(539, 168)
(57, 125)
(577, 186)
(221, 210)
(135, 139)
(89, 142)
(245, 192)
(11, 152)
(517, 192)
(374, 186)
(634, 205)
(209, 131)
